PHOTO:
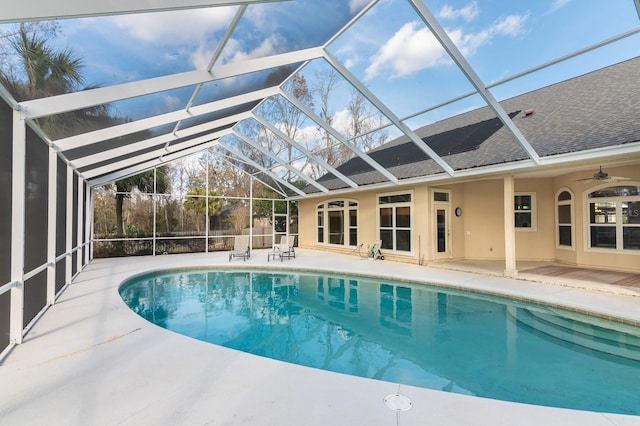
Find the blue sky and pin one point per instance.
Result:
(389, 49)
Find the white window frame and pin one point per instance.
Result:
(619, 225)
(532, 212)
(346, 208)
(320, 213)
(570, 203)
(393, 227)
(447, 205)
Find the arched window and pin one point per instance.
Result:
(337, 222)
(614, 218)
(564, 219)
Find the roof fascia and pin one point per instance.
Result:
(619, 152)
(262, 169)
(162, 139)
(160, 154)
(280, 134)
(158, 120)
(40, 10)
(339, 137)
(103, 95)
(280, 161)
(464, 66)
(388, 113)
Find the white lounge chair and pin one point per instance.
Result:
(289, 250)
(283, 249)
(240, 248)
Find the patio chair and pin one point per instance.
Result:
(289, 249)
(240, 248)
(275, 250)
(283, 249)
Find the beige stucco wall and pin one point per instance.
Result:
(483, 218)
(479, 233)
(583, 255)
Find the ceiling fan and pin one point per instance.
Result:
(601, 176)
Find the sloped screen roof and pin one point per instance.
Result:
(338, 94)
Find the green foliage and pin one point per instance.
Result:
(33, 69)
(195, 200)
(144, 183)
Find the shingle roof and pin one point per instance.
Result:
(595, 110)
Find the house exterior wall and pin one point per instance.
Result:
(478, 234)
(583, 254)
(483, 220)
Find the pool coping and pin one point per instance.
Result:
(568, 306)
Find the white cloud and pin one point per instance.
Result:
(409, 50)
(175, 27)
(172, 102)
(511, 25)
(413, 48)
(357, 5)
(257, 14)
(352, 61)
(308, 133)
(468, 12)
(233, 51)
(557, 4)
(201, 57)
(269, 46)
(341, 121)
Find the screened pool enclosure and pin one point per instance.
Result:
(131, 129)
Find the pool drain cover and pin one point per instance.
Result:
(398, 402)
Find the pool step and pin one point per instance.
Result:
(590, 336)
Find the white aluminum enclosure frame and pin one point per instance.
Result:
(57, 104)
(38, 10)
(89, 170)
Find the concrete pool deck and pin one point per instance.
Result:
(91, 361)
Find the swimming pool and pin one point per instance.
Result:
(404, 333)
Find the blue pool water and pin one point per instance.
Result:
(411, 334)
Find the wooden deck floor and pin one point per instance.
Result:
(550, 272)
(593, 275)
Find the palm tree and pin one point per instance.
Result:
(44, 71)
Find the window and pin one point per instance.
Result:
(564, 219)
(320, 224)
(394, 221)
(337, 222)
(614, 218)
(524, 206)
(441, 196)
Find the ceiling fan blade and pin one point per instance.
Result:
(617, 178)
(601, 176)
